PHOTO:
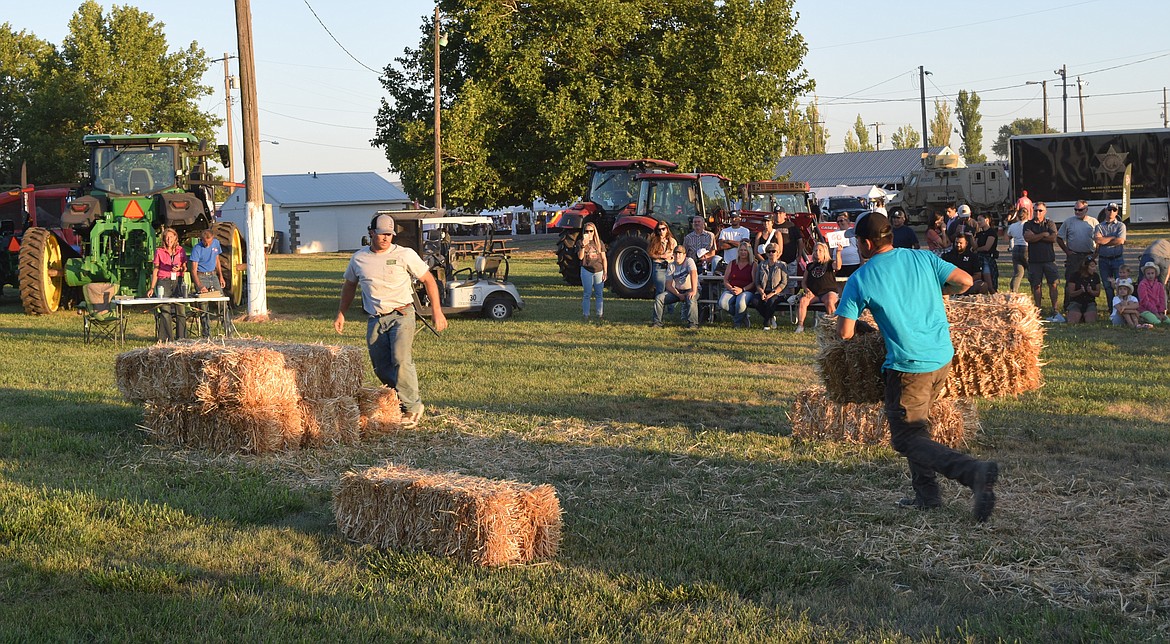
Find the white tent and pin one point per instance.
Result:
(861, 192)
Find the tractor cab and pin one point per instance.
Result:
(481, 287)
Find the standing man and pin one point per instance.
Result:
(1110, 238)
(1041, 235)
(904, 236)
(1076, 238)
(206, 273)
(386, 274)
(730, 237)
(700, 244)
(903, 289)
(961, 224)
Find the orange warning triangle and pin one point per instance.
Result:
(133, 211)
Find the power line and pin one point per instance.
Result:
(338, 41)
(297, 118)
(324, 145)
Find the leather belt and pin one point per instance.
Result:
(400, 311)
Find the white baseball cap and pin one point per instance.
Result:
(964, 210)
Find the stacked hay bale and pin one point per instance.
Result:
(997, 339)
(476, 520)
(246, 395)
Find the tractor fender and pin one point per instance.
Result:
(644, 225)
(576, 215)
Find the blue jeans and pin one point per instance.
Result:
(1107, 267)
(591, 284)
(659, 278)
(664, 298)
(736, 305)
(390, 339)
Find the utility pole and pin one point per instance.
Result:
(253, 179)
(922, 89)
(1063, 74)
(438, 145)
(1081, 102)
(1044, 88)
(877, 128)
(227, 99)
(1165, 114)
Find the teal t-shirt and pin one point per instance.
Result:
(903, 290)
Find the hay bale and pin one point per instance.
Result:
(224, 428)
(997, 338)
(472, 519)
(329, 421)
(381, 411)
(851, 370)
(243, 372)
(815, 416)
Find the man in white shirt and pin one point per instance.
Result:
(386, 273)
(730, 237)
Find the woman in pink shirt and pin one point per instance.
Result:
(170, 260)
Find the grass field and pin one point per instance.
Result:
(690, 514)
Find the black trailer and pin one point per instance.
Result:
(1059, 169)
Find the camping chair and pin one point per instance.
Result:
(100, 318)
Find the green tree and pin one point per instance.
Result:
(1018, 126)
(905, 137)
(531, 90)
(24, 61)
(970, 128)
(113, 74)
(805, 132)
(940, 125)
(857, 139)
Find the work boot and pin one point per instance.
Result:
(918, 503)
(983, 490)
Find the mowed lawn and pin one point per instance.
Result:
(690, 513)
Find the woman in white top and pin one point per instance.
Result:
(1018, 248)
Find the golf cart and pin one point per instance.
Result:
(482, 287)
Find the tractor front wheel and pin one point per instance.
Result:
(232, 261)
(42, 272)
(567, 261)
(631, 271)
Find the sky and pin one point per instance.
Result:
(318, 100)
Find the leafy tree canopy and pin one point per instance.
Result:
(940, 125)
(532, 90)
(970, 128)
(113, 74)
(905, 137)
(857, 139)
(1018, 126)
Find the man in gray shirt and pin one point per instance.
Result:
(1076, 238)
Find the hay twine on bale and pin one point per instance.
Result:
(816, 417)
(997, 338)
(472, 519)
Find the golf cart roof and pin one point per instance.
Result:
(459, 220)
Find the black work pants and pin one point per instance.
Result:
(907, 402)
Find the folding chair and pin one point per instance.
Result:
(100, 319)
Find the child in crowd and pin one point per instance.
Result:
(1151, 295)
(1122, 274)
(1125, 306)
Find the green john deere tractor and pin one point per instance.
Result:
(137, 184)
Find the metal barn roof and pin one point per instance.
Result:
(852, 168)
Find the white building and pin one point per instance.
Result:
(320, 212)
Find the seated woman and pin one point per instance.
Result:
(936, 236)
(1081, 296)
(771, 278)
(738, 285)
(820, 285)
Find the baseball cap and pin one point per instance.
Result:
(964, 210)
(382, 225)
(1112, 206)
(872, 225)
(1150, 265)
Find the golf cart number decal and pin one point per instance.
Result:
(473, 298)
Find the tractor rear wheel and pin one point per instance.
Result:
(42, 272)
(631, 272)
(567, 261)
(232, 261)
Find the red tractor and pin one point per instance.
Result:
(761, 199)
(34, 244)
(612, 188)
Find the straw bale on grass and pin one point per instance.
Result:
(329, 421)
(814, 416)
(472, 519)
(381, 411)
(997, 338)
(321, 370)
(250, 430)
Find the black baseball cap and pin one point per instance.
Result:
(872, 225)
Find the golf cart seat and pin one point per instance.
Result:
(488, 267)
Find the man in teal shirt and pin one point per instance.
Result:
(903, 289)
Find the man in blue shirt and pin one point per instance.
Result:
(903, 289)
(206, 274)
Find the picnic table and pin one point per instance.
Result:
(473, 247)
